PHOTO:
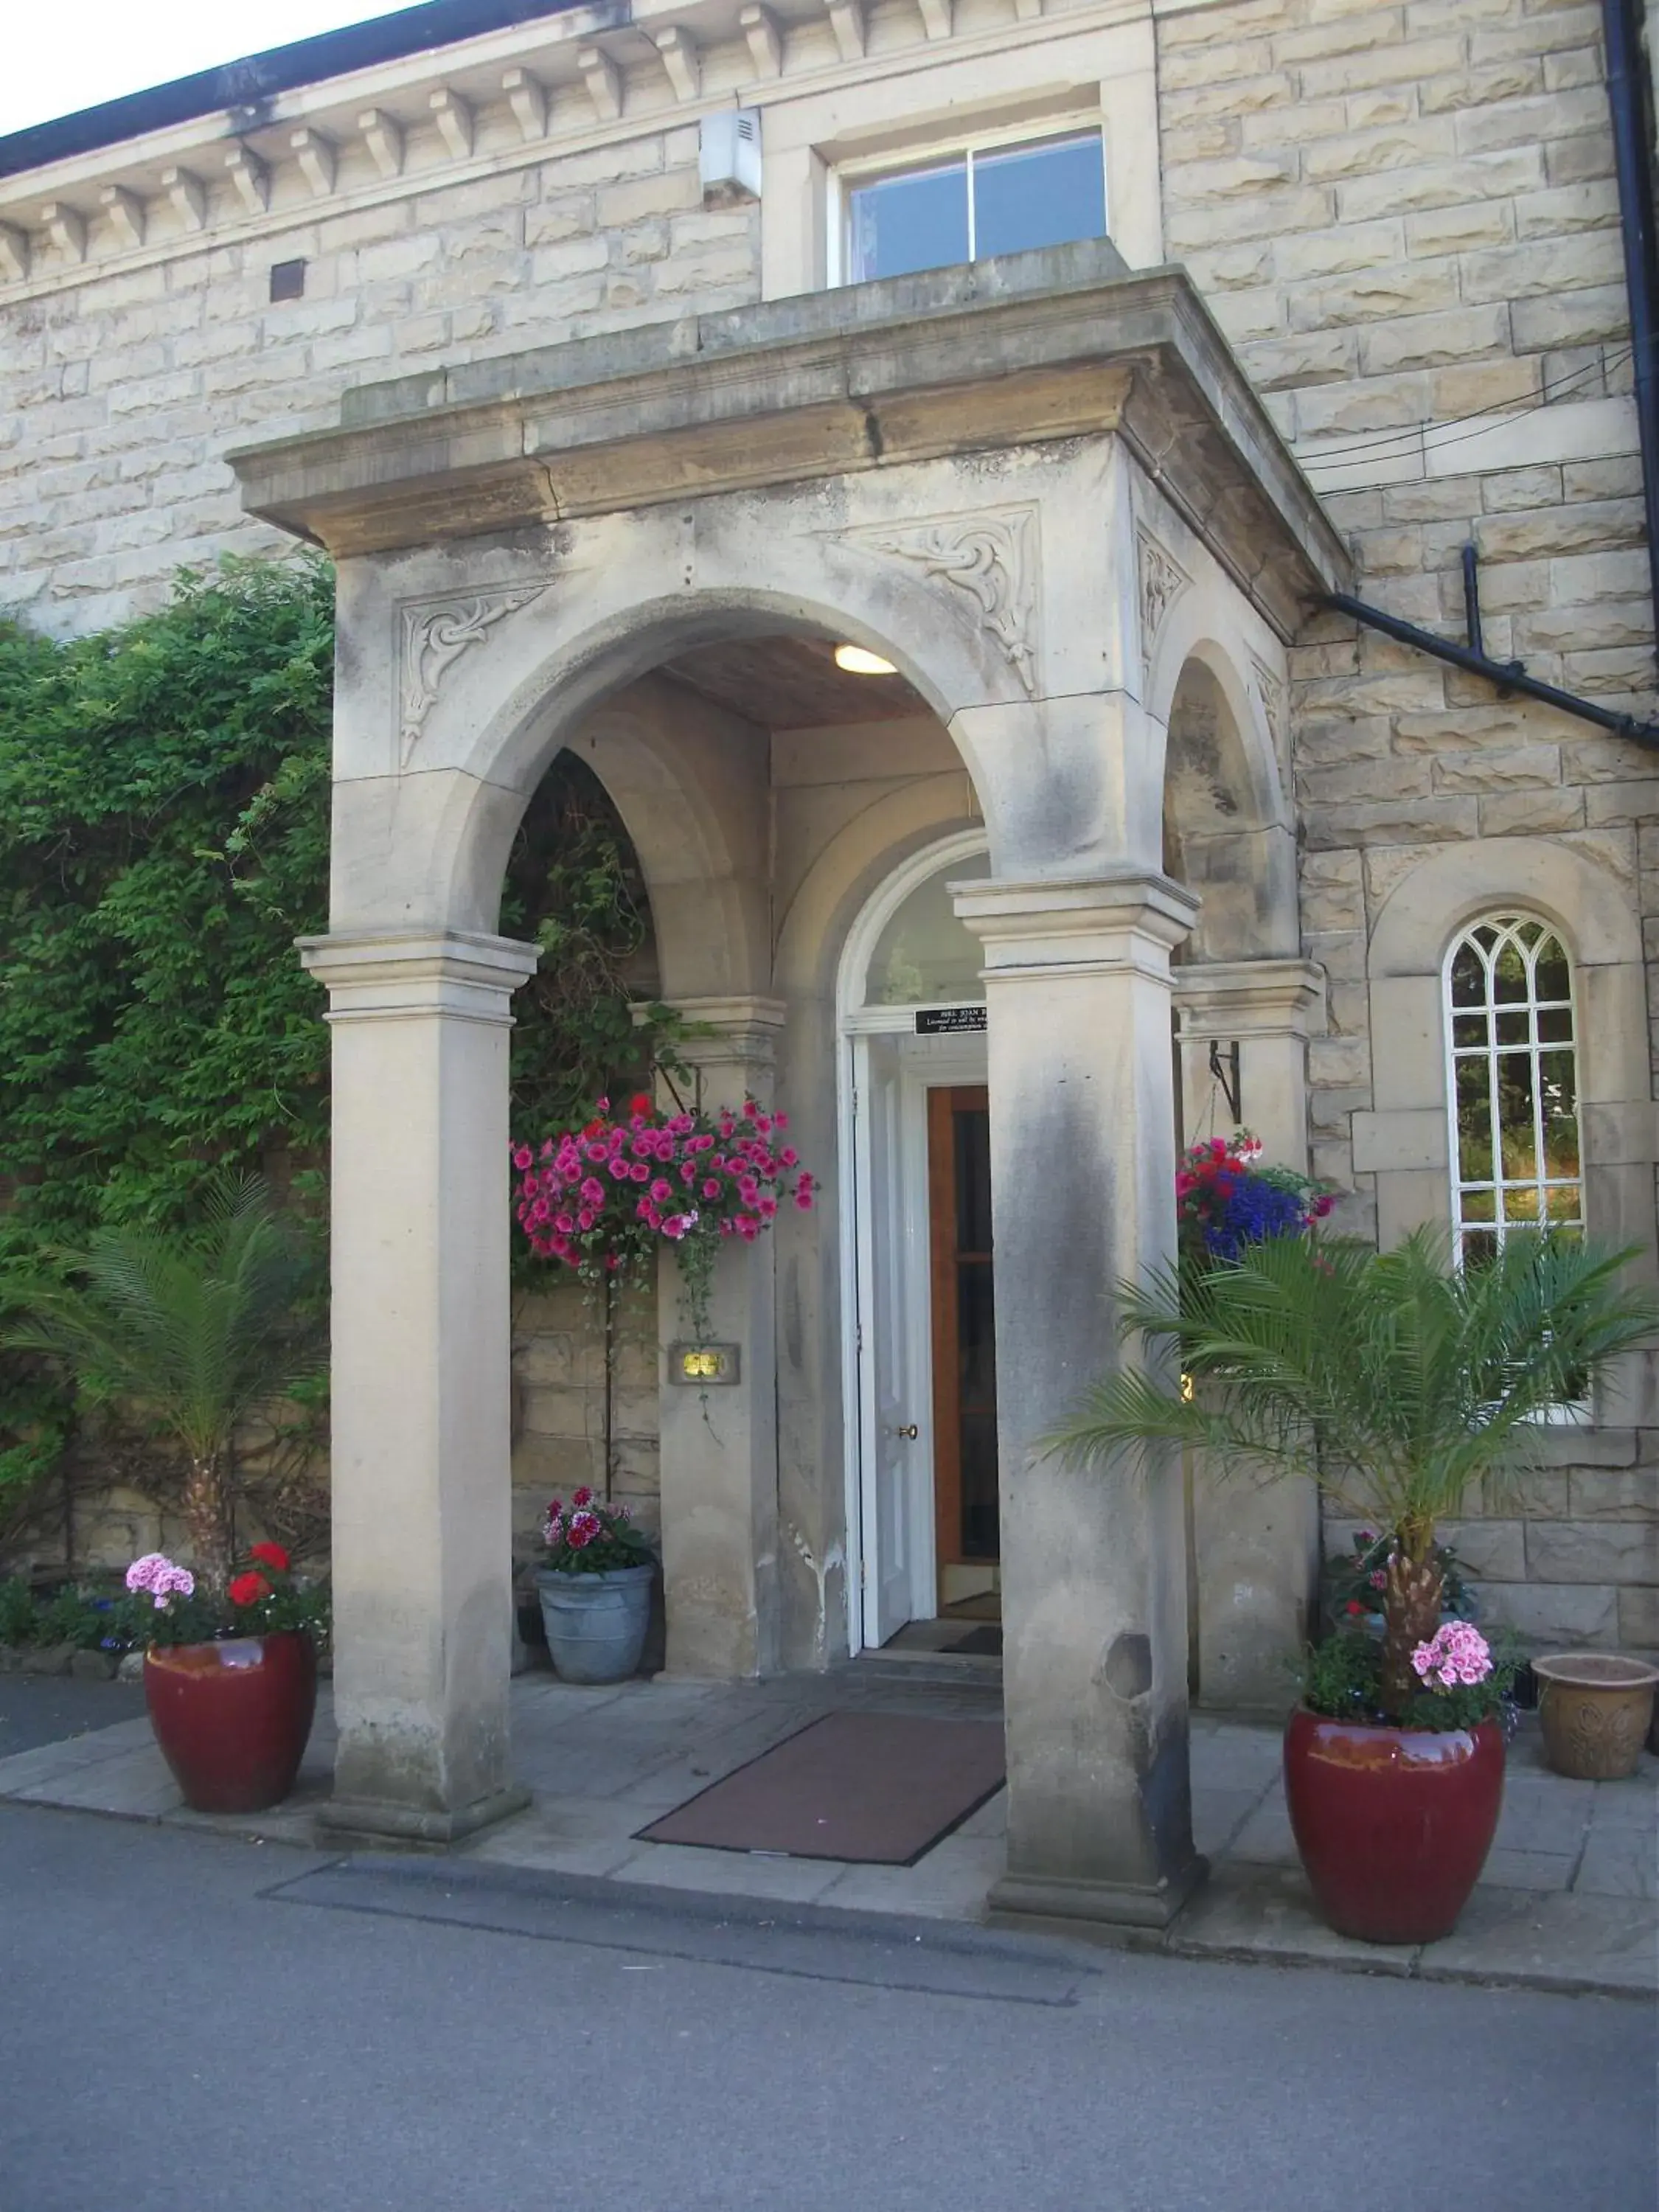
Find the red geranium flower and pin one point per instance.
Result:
(248, 1589)
(642, 1102)
(270, 1555)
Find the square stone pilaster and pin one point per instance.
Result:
(1256, 1548)
(421, 1338)
(1269, 1009)
(720, 1444)
(1094, 1572)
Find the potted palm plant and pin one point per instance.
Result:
(193, 1333)
(1397, 1382)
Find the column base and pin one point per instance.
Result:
(1058, 1899)
(414, 1824)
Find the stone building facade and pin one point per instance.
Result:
(480, 317)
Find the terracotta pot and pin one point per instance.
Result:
(1393, 1825)
(1596, 1708)
(232, 1718)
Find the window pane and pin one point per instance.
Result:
(915, 222)
(1479, 1246)
(1553, 981)
(1564, 1202)
(1473, 1120)
(1510, 974)
(925, 956)
(1469, 1029)
(1468, 978)
(1480, 1206)
(1521, 1204)
(1513, 1027)
(1555, 1025)
(1043, 194)
(1560, 1076)
(1515, 1122)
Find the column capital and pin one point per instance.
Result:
(392, 974)
(745, 1029)
(1135, 918)
(1251, 997)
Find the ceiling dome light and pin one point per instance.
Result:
(857, 662)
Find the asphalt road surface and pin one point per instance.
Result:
(193, 2025)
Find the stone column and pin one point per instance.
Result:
(422, 1480)
(1094, 1584)
(720, 1444)
(1256, 1548)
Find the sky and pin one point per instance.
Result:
(72, 54)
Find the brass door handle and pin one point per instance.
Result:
(909, 1431)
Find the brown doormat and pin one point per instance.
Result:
(978, 1643)
(876, 1788)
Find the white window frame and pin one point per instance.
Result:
(846, 176)
(1576, 1413)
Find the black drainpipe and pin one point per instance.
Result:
(1632, 161)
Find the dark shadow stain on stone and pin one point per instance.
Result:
(1129, 1669)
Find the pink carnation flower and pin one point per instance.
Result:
(1457, 1654)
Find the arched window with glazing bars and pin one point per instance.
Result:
(1513, 1084)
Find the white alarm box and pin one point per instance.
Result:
(729, 155)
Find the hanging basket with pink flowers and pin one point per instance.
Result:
(605, 1199)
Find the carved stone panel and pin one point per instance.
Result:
(1270, 689)
(433, 633)
(1162, 580)
(991, 558)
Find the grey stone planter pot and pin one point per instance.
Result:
(596, 1623)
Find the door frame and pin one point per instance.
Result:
(856, 1025)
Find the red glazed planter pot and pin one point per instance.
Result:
(1393, 1825)
(232, 1718)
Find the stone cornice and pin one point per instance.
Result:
(1043, 346)
(239, 173)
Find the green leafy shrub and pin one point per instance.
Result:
(18, 1611)
(163, 838)
(164, 829)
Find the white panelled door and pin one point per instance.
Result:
(893, 1421)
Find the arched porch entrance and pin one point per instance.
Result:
(987, 522)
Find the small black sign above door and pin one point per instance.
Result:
(949, 1021)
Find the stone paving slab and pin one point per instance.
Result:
(1569, 1900)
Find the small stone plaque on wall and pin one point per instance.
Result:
(703, 1364)
(948, 1021)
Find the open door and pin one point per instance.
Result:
(895, 1445)
(964, 1375)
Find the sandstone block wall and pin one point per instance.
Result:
(1405, 217)
(567, 1418)
(121, 395)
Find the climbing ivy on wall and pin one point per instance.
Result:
(163, 838)
(164, 813)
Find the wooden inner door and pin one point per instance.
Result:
(964, 1341)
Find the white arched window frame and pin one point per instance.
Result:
(1511, 1038)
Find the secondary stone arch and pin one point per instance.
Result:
(1227, 834)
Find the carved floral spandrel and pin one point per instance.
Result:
(1162, 580)
(1270, 691)
(991, 557)
(434, 634)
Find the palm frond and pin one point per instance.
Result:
(196, 1331)
(1397, 1378)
